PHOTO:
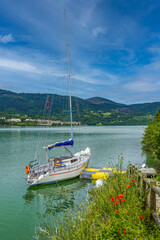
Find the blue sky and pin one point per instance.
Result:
(114, 48)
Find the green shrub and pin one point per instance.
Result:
(151, 138)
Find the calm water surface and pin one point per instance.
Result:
(21, 209)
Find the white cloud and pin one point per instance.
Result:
(97, 77)
(18, 65)
(139, 86)
(6, 38)
(154, 50)
(96, 31)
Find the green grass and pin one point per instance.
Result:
(107, 217)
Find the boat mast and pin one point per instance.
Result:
(69, 76)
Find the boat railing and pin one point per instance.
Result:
(33, 163)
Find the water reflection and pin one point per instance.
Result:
(56, 198)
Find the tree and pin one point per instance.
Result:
(151, 138)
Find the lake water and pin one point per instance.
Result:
(21, 209)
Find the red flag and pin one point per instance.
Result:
(47, 103)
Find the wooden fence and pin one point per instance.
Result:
(146, 184)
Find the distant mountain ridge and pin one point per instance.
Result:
(108, 105)
(139, 108)
(99, 100)
(94, 110)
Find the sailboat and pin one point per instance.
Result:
(62, 168)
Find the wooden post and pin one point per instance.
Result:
(144, 183)
(152, 196)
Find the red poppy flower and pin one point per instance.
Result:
(115, 203)
(110, 187)
(128, 186)
(119, 186)
(98, 211)
(116, 211)
(123, 200)
(120, 196)
(124, 232)
(133, 181)
(140, 217)
(112, 199)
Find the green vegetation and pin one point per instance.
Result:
(93, 111)
(111, 213)
(151, 138)
(112, 118)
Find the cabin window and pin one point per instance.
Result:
(74, 160)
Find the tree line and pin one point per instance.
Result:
(151, 137)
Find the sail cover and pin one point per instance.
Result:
(59, 144)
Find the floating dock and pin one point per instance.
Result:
(98, 173)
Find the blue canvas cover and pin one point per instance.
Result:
(59, 144)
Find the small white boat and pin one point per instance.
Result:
(62, 168)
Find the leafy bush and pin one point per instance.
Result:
(151, 138)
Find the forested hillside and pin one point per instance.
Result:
(93, 111)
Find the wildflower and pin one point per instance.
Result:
(110, 187)
(128, 186)
(124, 232)
(115, 203)
(123, 200)
(78, 216)
(133, 181)
(120, 196)
(81, 204)
(116, 211)
(98, 211)
(112, 199)
(119, 186)
(140, 217)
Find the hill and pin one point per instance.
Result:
(99, 100)
(91, 111)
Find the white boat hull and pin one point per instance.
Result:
(65, 172)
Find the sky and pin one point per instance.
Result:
(114, 48)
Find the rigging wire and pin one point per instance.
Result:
(42, 134)
(69, 76)
(72, 89)
(74, 84)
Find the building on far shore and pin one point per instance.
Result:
(13, 120)
(40, 122)
(2, 118)
(50, 122)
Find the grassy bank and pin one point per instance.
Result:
(117, 210)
